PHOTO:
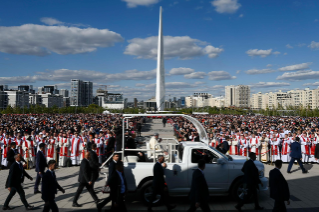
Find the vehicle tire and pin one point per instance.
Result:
(146, 192)
(238, 189)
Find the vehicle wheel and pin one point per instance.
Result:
(239, 191)
(146, 192)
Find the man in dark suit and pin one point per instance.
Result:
(115, 159)
(164, 121)
(110, 145)
(225, 146)
(41, 164)
(15, 178)
(118, 188)
(86, 179)
(251, 179)
(94, 163)
(11, 153)
(317, 153)
(295, 154)
(199, 194)
(50, 187)
(279, 190)
(159, 184)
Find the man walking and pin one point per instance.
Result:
(164, 121)
(251, 179)
(41, 164)
(159, 184)
(94, 163)
(279, 190)
(199, 194)
(86, 179)
(295, 154)
(50, 187)
(15, 178)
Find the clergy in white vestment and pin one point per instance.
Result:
(254, 144)
(28, 148)
(314, 142)
(304, 142)
(5, 146)
(264, 149)
(19, 143)
(64, 143)
(274, 143)
(233, 145)
(243, 146)
(76, 141)
(100, 147)
(52, 149)
(285, 149)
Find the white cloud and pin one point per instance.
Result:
(238, 71)
(314, 45)
(289, 46)
(259, 71)
(296, 67)
(301, 44)
(269, 84)
(316, 20)
(226, 6)
(220, 75)
(199, 7)
(135, 3)
(311, 84)
(276, 53)
(241, 15)
(299, 75)
(139, 85)
(259, 52)
(182, 47)
(181, 71)
(269, 65)
(65, 75)
(51, 21)
(174, 85)
(40, 40)
(195, 75)
(285, 53)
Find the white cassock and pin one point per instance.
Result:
(28, 148)
(285, 150)
(64, 150)
(233, 147)
(51, 150)
(264, 149)
(75, 150)
(243, 145)
(314, 143)
(275, 149)
(99, 148)
(254, 146)
(83, 150)
(213, 143)
(19, 148)
(304, 148)
(40, 141)
(5, 142)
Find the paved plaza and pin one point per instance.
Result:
(304, 188)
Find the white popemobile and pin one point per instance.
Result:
(223, 172)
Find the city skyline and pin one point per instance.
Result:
(268, 45)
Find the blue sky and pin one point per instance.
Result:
(268, 44)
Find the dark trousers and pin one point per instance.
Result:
(37, 181)
(80, 189)
(120, 205)
(292, 160)
(164, 124)
(51, 204)
(203, 206)
(252, 192)
(164, 195)
(13, 191)
(279, 206)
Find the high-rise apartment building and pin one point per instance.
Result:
(64, 92)
(81, 93)
(238, 96)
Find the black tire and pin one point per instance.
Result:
(237, 190)
(145, 193)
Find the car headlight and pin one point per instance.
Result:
(261, 173)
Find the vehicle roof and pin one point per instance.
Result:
(193, 144)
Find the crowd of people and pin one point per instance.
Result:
(269, 137)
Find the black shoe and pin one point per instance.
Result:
(171, 207)
(75, 204)
(305, 172)
(289, 172)
(37, 192)
(149, 210)
(30, 207)
(259, 208)
(238, 208)
(7, 208)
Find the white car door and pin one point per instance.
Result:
(216, 174)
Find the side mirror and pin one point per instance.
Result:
(221, 161)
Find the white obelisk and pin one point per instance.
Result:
(160, 72)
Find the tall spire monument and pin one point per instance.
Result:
(160, 72)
